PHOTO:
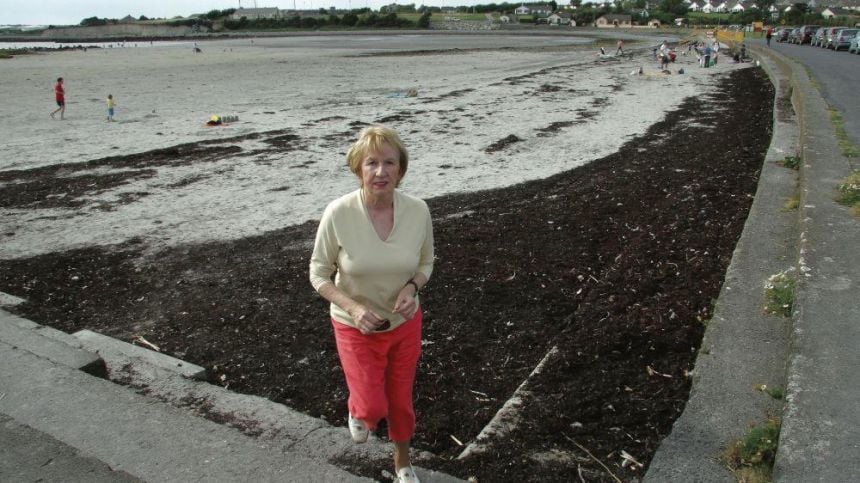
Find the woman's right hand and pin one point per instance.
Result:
(365, 320)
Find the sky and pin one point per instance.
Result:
(71, 12)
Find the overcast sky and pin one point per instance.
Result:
(71, 12)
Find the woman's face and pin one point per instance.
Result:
(380, 171)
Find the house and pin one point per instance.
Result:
(642, 12)
(256, 13)
(742, 6)
(534, 9)
(721, 8)
(774, 11)
(707, 8)
(831, 12)
(694, 6)
(560, 19)
(614, 21)
(654, 23)
(128, 19)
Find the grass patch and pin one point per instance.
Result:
(791, 203)
(849, 192)
(791, 162)
(779, 294)
(848, 148)
(774, 392)
(751, 457)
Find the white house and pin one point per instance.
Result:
(831, 12)
(522, 10)
(694, 6)
(614, 21)
(561, 19)
(707, 7)
(721, 8)
(255, 13)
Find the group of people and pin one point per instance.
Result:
(708, 53)
(60, 99)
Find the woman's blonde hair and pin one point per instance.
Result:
(371, 140)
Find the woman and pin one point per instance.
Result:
(379, 242)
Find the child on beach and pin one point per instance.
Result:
(60, 96)
(110, 105)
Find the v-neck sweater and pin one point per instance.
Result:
(368, 269)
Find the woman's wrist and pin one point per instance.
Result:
(414, 285)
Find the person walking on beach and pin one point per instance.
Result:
(60, 96)
(110, 106)
(769, 35)
(377, 242)
(706, 56)
(620, 49)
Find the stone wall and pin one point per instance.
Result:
(118, 31)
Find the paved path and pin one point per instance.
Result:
(813, 355)
(837, 75)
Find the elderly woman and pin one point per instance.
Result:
(379, 243)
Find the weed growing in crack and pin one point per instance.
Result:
(849, 192)
(848, 148)
(751, 457)
(791, 203)
(774, 392)
(791, 162)
(779, 294)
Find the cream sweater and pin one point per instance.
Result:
(371, 271)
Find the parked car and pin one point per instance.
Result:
(781, 35)
(844, 38)
(793, 35)
(829, 34)
(806, 33)
(818, 37)
(854, 48)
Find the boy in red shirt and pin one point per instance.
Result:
(60, 95)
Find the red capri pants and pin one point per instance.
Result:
(380, 372)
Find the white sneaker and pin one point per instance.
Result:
(357, 430)
(407, 475)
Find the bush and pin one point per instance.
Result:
(424, 21)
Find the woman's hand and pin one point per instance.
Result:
(365, 320)
(406, 304)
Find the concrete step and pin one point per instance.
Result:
(121, 353)
(49, 343)
(135, 434)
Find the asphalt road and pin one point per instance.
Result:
(838, 77)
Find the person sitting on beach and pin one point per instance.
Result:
(377, 242)
(60, 96)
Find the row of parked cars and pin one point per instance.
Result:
(836, 38)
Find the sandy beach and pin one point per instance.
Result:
(565, 106)
(584, 217)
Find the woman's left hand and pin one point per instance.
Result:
(406, 304)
